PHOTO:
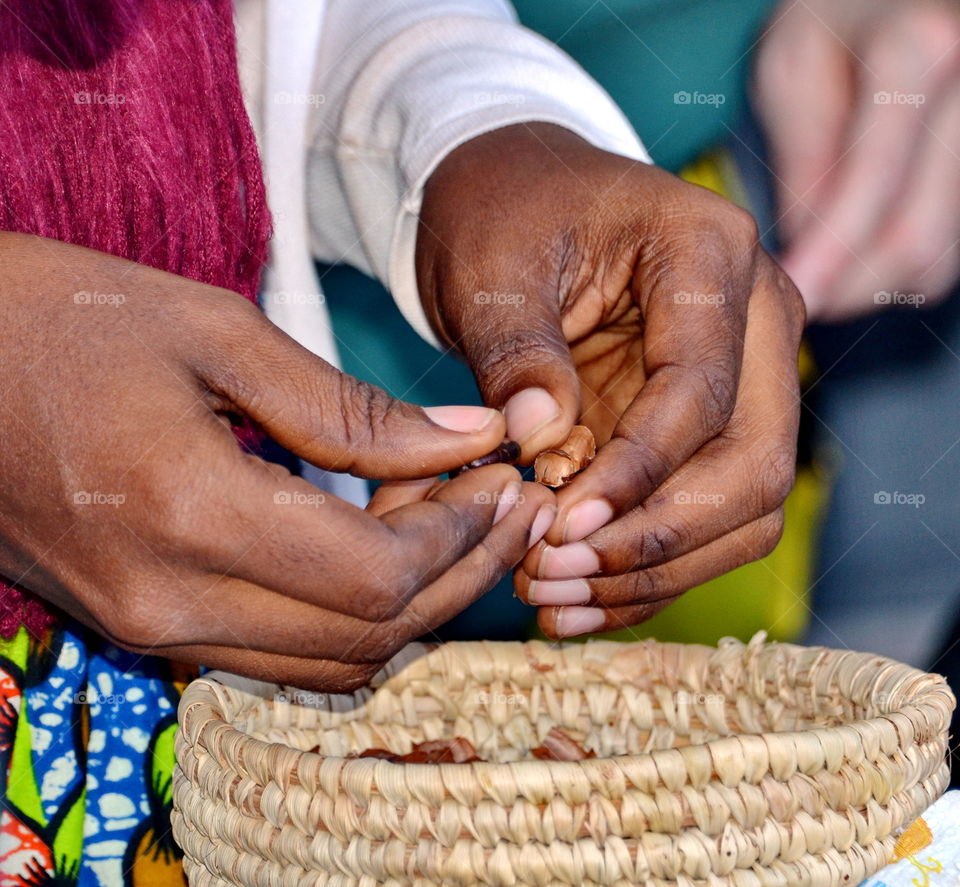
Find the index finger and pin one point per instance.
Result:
(298, 540)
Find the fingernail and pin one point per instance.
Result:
(509, 496)
(463, 419)
(572, 621)
(541, 523)
(568, 561)
(558, 594)
(528, 411)
(585, 518)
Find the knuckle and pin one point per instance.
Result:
(770, 534)
(657, 544)
(643, 585)
(217, 316)
(379, 643)
(742, 225)
(498, 363)
(721, 233)
(181, 520)
(214, 310)
(496, 562)
(717, 393)
(788, 296)
(720, 227)
(644, 463)
(383, 605)
(794, 306)
(363, 410)
(777, 474)
(131, 621)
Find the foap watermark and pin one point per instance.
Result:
(887, 701)
(85, 697)
(898, 299)
(487, 298)
(899, 98)
(96, 497)
(288, 297)
(698, 497)
(112, 300)
(714, 99)
(498, 697)
(684, 697)
(712, 299)
(485, 498)
(301, 697)
(99, 98)
(298, 497)
(897, 498)
(299, 98)
(499, 98)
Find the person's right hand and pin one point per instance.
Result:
(126, 501)
(860, 101)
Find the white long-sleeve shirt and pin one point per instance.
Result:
(355, 103)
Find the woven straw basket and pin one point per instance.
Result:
(746, 765)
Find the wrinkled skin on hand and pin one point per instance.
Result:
(126, 501)
(585, 287)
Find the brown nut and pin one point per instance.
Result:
(558, 746)
(557, 466)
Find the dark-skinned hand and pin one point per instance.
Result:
(582, 286)
(126, 500)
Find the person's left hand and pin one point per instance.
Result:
(584, 286)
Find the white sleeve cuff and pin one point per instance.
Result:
(428, 89)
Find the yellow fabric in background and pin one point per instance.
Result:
(772, 594)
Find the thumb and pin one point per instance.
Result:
(519, 355)
(329, 418)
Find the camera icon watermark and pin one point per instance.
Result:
(298, 497)
(486, 498)
(713, 99)
(487, 298)
(499, 98)
(498, 697)
(684, 697)
(698, 497)
(914, 500)
(99, 98)
(96, 497)
(899, 98)
(898, 299)
(112, 300)
(299, 98)
(289, 297)
(713, 300)
(302, 697)
(85, 697)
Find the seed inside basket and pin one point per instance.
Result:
(557, 746)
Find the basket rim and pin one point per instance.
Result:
(923, 701)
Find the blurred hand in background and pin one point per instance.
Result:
(861, 104)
